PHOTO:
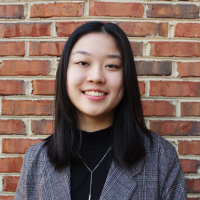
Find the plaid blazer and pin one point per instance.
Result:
(158, 176)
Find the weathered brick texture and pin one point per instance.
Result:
(12, 11)
(189, 147)
(158, 108)
(27, 107)
(173, 11)
(164, 38)
(178, 49)
(25, 67)
(12, 48)
(42, 127)
(12, 127)
(188, 69)
(189, 166)
(43, 87)
(10, 183)
(56, 10)
(25, 30)
(175, 127)
(12, 145)
(190, 109)
(174, 88)
(46, 48)
(193, 185)
(10, 87)
(191, 30)
(8, 165)
(116, 9)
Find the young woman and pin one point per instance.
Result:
(101, 148)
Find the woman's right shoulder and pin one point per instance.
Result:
(35, 156)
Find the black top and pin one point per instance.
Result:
(94, 146)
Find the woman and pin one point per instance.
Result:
(101, 148)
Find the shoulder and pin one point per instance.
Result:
(35, 157)
(159, 145)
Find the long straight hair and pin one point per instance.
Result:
(128, 128)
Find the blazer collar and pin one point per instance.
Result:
(115, 188)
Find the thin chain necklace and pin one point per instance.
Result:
(91, 171)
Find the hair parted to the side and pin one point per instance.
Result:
(128, 127)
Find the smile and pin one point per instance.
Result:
(94, 93)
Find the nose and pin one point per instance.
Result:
(96, 75)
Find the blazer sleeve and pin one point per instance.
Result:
(21, 193)
(172, 178)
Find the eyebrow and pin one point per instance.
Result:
(108, 56)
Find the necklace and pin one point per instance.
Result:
(91, 171)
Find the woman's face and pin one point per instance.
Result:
(94, 76)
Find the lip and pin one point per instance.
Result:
(95, 98)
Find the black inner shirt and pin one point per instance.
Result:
(94, 146)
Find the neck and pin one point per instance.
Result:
(91, 124)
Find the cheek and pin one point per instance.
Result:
(74, 78)
(117, 84)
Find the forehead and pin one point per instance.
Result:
(96, 42)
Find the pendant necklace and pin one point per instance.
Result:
(91, 171)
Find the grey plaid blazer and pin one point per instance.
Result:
(158, 176)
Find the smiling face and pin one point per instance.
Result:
(94, 78)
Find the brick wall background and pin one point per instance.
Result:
(164, 37)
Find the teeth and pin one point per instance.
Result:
(96, 94)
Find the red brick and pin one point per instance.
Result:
(193, 185)
(56, 10)
(46, 48)
(12, 127)
(27, 107)
(10, 183)
(8, 165)
(65, 29)
(12, 11)
(142, 29)
(7, 197)
(43, 87)
(152, 68)
(42, 127)
(191, 30)
(116, 9)
(189, 166)
(25, 29)
(12, 49)
(175, 127)
(193, 198)
(142, 87)
(174, 88)
(158, 108)
(190, 109)
(188, 69)
(17, 145)
(189, 147)
(181, 49)
(25, 67)
(185, 11)
(9, 87)
(137, 48)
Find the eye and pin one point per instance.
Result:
(82, 63)
(112, 66)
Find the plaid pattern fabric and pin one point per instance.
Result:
(158, 176)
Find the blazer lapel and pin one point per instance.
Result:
(120, 183)
(59, 183)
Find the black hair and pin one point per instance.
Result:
(128, 127)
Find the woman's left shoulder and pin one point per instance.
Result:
(159, 145)
(162, 159)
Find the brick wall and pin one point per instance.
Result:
(164, 37)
